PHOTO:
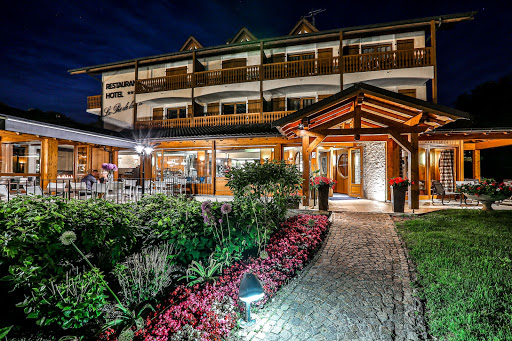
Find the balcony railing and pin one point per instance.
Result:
(94, 102)
(217, 120)
(310, 67)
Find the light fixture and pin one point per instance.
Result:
(139, 149)
(148, 150)
(250, 291)
(301, 126)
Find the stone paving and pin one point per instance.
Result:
(356, 288)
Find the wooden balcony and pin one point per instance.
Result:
(206, 121)
(397, 59)
(94, 102)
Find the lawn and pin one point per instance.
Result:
(464, 265)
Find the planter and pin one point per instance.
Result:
(293, 205)
(486, 200)
(398, 198)
(323, 197)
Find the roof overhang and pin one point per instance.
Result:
(364, 109)
(348, 32)
(24, 126)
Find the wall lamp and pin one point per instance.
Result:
(250, 291)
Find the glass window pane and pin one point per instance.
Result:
(22, 157)
(228, 109)
(293, 104)
(356, 166)
(241, 108)
(307, 101)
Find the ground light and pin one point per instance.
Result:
(250, 291)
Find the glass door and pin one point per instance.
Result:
(355, 172)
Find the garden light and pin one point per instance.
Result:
(250, 291)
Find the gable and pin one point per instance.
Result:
(242, 36)
(303, 27)
(191, 44)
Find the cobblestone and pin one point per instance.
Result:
(356, 288)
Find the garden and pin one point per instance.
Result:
(164, 268)
(464, 268)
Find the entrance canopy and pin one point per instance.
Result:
(364, 109)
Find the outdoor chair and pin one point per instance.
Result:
(438, 189)
(462, 195)
(4, 192)
(78, 189)
(99, 190)
(59, 188)
(130, 188)
(33, 190)
(116, 190)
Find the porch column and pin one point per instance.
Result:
(278, 152)
(305, 170)
(49, 156)
(476, 163)
(414, 173)
(214, 167)
(392, 162)
(115, 160)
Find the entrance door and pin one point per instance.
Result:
(355, 172)
(341, 171)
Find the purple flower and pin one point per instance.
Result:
(225, 208)
(109, 167)
(206, 206)
(220, 221)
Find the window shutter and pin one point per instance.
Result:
(405, 44)
(350, 50)
(158, 113)
(231, 63)
(213, 109)
(408, 92)
(278, 104)
(279, 58)
(182, 70)
(254, 106)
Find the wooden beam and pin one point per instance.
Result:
(135, 110)
(434, 59)
(305, 171)
(334, 122)
(278, 152)
(401, 141)
(315, 143)
(380, 119)
(414, 173)
(392, 162)
(370, 131)
(413, 121)
(214, 167)
(262, 53)
(493, 144)
(475, 155)
(465, 136)
(49, 156)
(340, 61)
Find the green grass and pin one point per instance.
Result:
(464, 264)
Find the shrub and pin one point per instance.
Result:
(144, 275)
(71, 303)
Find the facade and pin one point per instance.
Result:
(206, 109)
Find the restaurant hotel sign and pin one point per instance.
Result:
(118, 90)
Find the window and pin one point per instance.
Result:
(405, 44)
(375, 48)
(301, 56)
(234, 108)
(176, 113)
(299, 103)
(350, 50)
(232, 63)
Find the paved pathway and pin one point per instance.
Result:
(357, 288)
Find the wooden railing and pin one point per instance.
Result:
(302, 68)
(206, 121)
(94, 102)
(228, 76)
(388, 60)
(163, 83)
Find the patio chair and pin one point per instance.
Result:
(438, 189)
(33, 190)
(59, 188)
(4, 193)
(462, 195)
(78, 189)
(116, 190)
(99, 190)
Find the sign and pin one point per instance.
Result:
(118, 96)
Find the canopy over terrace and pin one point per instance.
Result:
(363, 112)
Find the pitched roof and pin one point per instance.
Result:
(253, 130)
(242, 36)
(191, 44)
(347, 31)
(303, 26)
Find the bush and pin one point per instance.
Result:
(70, 303)
(144, 275)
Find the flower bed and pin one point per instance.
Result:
(488, 187)
(207, 312)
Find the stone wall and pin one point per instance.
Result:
(374, 170)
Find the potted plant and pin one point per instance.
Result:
(323, 184)
(399, 187)
(487, 191)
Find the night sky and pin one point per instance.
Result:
(42, 40)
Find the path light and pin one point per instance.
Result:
(250, 291)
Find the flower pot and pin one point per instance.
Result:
(486, 200)
(398, 198)
(323, 197)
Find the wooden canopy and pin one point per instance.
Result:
(364, 109)
(242, 36)
(191, 44)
